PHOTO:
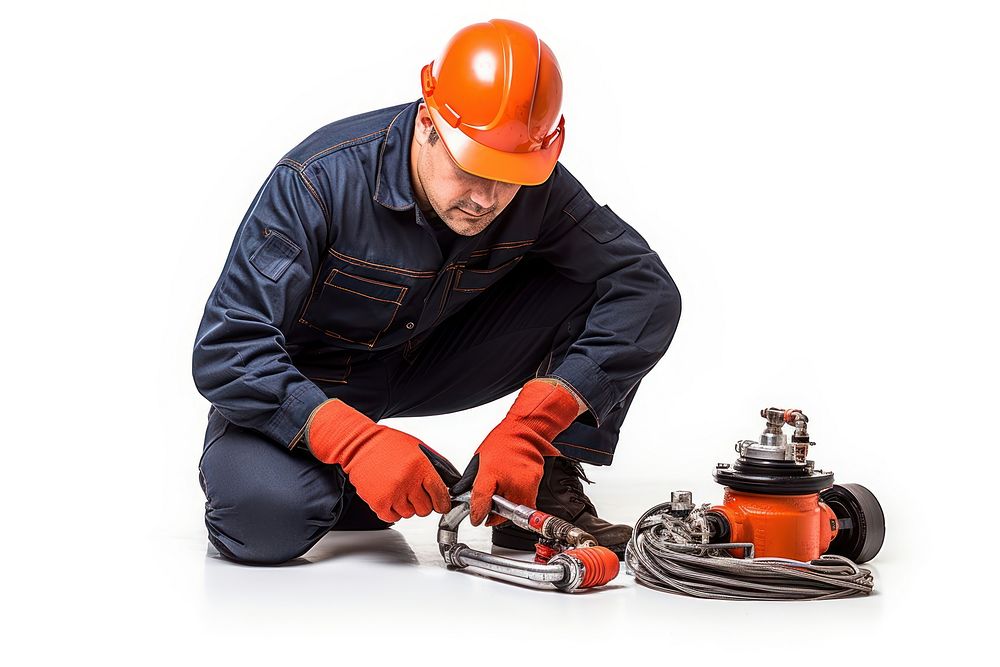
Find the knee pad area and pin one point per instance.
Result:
(265, 528)
(263, 505)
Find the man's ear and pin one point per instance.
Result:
(423, 125)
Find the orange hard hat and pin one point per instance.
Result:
(495, 96)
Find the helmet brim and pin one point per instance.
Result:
(532, 168)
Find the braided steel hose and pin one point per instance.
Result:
(673, 554)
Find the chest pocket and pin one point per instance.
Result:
(353, 307)
(485, 267)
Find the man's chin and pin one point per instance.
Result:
(466, 227)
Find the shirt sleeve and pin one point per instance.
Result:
(638, 306)
(240, 363)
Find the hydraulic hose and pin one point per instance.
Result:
(671, 553)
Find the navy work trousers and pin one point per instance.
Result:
(266, 504)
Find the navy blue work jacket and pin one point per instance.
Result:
(333, 254)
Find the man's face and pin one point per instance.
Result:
(466, 203)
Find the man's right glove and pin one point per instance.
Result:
(510, 461)
(392, 471)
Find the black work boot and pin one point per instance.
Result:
(560, 494)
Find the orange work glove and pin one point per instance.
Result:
(509, 461)
(391, 470)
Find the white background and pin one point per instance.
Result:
(821, 179)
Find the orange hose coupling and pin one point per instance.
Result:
(600, 564)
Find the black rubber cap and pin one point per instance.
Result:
(862, 539)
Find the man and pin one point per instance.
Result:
(418, 260)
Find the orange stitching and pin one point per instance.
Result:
(295, 439)
(297, 168)
(497, 268)
(577, 391)
(378, 179)
(391, 320)
(347, 374)
(315, 194)
(408, 351)
(367, 296)
(589, 449)
(334, 334)
(515, 243)
(466, 269)
(384, 267)
(316, 378)
(371, 280)
(507, 245)
(444, 292)
(570, 203)
(371, 343)
(329, 150)
(312, 291)
(368, 280)
(444, 295)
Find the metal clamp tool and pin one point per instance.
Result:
(566, 557)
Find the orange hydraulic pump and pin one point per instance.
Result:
(778, 501)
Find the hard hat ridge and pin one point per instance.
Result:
(495, 97)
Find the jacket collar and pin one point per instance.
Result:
(393, 187)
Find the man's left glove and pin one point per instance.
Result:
(510, 461)
(394, 472)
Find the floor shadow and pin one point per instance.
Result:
(378, 546)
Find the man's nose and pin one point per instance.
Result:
(484, 195)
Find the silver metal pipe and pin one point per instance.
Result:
(465, 556)
(563, 573)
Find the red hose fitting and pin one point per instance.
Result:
(543, 553)
(600, 565)
(537, 520)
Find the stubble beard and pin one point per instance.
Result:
(457, 221)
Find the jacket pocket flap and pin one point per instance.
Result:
(473, 280)
(603, 224)
(274, 255)
(366, 287)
